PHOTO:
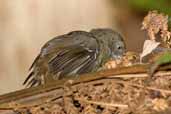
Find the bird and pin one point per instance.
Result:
(75, 53)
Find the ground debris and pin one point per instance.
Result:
(116, 96)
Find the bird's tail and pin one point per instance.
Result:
(35, 77)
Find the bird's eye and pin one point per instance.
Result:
(119, 47)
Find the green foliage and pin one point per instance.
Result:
(164, 58)
(146, 5)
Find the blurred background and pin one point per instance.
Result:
(25, 25)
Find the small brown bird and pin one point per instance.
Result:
(75, 53)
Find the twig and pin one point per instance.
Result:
(103, 103)
(141, 86)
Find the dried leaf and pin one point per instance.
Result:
(159, 104)
(130, 58)
(148, 47)
(112, 64)
(155, 22)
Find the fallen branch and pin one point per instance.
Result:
(37, 95)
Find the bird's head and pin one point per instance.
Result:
(113, 40)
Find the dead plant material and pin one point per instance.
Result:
(122, 95)
(157, 23)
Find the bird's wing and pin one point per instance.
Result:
(74, 53)
(73, 60)
(76, 57)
